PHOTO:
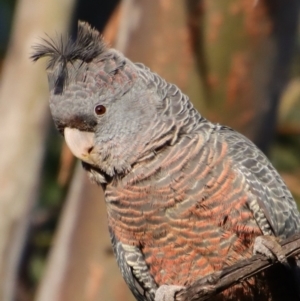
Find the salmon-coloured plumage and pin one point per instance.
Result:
(185, 197)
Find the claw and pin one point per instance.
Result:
(167, 292)
(269, 246)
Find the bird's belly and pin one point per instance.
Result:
(180, 260)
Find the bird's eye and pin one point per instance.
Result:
(100, 109)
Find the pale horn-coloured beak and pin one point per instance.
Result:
(80, 143)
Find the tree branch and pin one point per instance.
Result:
(213, 284)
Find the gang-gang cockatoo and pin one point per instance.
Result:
(185, 197)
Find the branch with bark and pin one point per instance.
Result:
(213, 284)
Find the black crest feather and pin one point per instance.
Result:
(88, 45)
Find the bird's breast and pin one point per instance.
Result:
(186, 211)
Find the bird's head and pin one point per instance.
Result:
(101, 102)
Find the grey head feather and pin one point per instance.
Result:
(88, 45)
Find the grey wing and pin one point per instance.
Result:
(273, 197)
(134, 270)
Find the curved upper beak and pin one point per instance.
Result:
(80, 143)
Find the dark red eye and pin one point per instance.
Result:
(100, 109)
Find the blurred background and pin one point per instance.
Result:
(239, 62)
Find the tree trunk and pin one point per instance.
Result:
(23, 124)
(243, 49)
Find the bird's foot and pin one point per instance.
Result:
(269, 246)
(167, 292)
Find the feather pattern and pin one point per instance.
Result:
(185, 197)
